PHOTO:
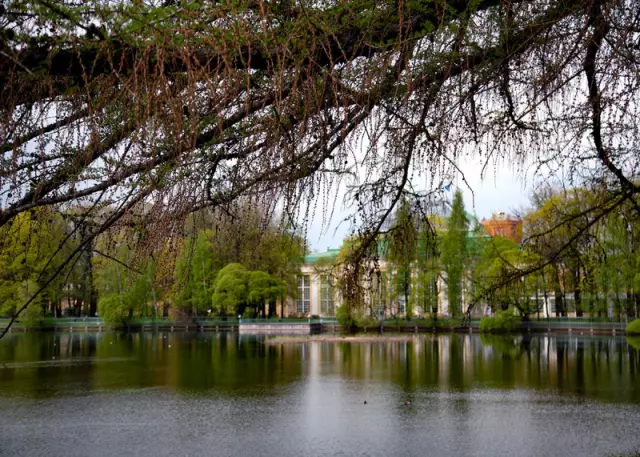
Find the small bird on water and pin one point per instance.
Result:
(365, 402)
(408, 403)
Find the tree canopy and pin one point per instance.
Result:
(144, 112)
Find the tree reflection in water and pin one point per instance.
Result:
(603, 367)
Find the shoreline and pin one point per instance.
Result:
(322, 330)
(405, 333)
(326, 338)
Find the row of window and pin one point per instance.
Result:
(327, 304)
(303, 302)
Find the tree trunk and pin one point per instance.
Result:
(89, 293)
(577, 293)
(93, 304)
(557, 291)
(406, 295)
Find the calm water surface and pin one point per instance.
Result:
(217, 394)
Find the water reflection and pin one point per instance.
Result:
(42, 365)
(602, 367)
(201, 394)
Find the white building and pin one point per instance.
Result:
(318, 294)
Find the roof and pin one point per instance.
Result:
(329, 254)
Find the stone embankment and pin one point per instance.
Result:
(316, 326)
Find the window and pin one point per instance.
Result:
(326, 296)
(396, 286)
(303, 302)
(379, 294)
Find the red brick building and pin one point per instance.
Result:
(505, 225)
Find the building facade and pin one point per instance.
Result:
(318, 294)
(504, 225)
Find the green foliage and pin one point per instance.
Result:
(343, 316)
(401, 252)
(263, 289)
(634, 341)
(125, 280)
(249, 313)
(633, 328)
(30, 254)
(231, 289)
(504, 321)
(597, 265)
(195, 274)
(427, 270)
(455, 253)
(277, 252)
(349, 281)
(113, 309)
(33, 316)
(497, 275)
(125, 285)
(446, 323)
(366, 322)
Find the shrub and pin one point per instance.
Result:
(634, 327)
(504, 321)
(32, 317)
(342, 316)
(366, 321)
(448, 323)
(113, 310)
(249, 313)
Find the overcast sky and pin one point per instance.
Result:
(504, 189)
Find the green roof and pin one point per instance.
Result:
(315, 256)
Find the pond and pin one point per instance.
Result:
(80, 394)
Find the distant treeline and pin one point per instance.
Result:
(246, 261)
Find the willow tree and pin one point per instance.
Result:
(156, 109)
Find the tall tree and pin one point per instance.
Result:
(427, 269)
(231, 293)
(249, 236)
(264, 289)
(125, 285)
(30, 251)
(157, 110)
(195, 274)
(455, 253)
(401, 252)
